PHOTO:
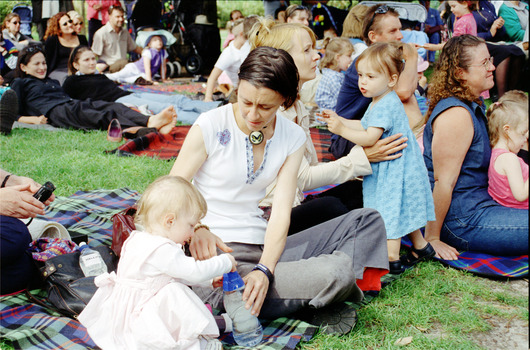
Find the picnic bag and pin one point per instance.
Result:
(122, 226)
(68, 290)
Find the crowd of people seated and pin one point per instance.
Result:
(426, 157)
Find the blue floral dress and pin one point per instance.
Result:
(399, 189)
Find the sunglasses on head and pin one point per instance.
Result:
(34, 48)
(381, 9)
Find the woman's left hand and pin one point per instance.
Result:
(256, 287)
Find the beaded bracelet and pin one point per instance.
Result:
(265, 270)
(199, 225)
(5, 181)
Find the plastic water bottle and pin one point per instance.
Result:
(247, 330)
(91, 261)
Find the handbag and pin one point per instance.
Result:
(68, 290)
(122, 226)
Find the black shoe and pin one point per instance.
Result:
(334, 319)
(396, 267)
(426, 253)
(8, 111)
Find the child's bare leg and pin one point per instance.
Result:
(393, 246)
(421, 249)
(417, 239)
(163, 118)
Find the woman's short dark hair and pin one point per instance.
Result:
(273, 69)
(25, 55)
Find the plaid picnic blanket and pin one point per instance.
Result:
(29, 326)
(487, 265)
(168, 146)
(154, 144)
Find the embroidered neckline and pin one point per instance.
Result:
(251, 175)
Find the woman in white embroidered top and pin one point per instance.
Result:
(232, 154)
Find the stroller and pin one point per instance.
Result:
(26, 14)
(197, 46)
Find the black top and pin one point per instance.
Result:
(38, 96)
(94, 86)
(56, 54)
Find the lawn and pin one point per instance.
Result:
(439, 308)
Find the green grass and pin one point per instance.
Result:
(440, 308)
(75, 160)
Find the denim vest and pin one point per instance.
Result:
(471, 189)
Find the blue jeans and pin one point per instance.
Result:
(494, 230)
(187, 109)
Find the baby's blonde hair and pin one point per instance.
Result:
(387, 58)
(511, 109)
(169, 195)
(334, 47)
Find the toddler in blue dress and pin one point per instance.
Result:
(399, 189)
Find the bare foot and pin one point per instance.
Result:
(166, 129)
(162, 119)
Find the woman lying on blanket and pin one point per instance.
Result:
(232, 154)
(457, 155)
(39, 95)
(17, 202)
(299, 41)
(85, 82)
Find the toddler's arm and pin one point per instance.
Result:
(147, 68)
(508, 163)
(351, 130)
(210, 84)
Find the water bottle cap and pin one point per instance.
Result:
(82, 246)
(232, 281)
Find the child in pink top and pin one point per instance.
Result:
(465, 22)
(508, 128)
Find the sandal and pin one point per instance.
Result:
(425, 253)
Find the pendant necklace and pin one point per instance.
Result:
(255, 137)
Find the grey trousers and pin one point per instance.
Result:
(319, 265)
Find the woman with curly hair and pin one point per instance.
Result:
(60, 39)
(457, 155)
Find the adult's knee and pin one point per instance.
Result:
(15, 238)
(18, 270)
(365, 217)
(334, 279)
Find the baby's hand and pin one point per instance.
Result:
(333, 120)
(234, 263)
(217, 282)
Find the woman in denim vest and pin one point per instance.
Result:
(457, 155)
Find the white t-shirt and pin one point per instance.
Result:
(227, 180)
(231, 59)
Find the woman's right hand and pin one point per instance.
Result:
(204, 245)
(386, 149)
(18, 202)
(444, 250)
